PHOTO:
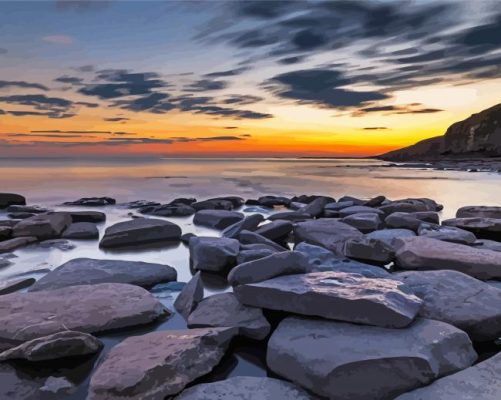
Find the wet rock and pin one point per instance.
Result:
(190, 296)
(183, 200)
(43, 226)
(158, 364)
(12, 244)
(140, 231)
(292, 216)
(375, 201)
(272, 201)
(423, 253)
(403, 220)
(251, 254)
(223, 309)
(411, 205)
(185, 238)
(479, 212)
(217, 219)
(60, 244)
(276, 230)
(483, 228)
(316, 207)
(335, 295)
(213, 253)
(389, 236)
(169, 210)
(347, 361)
(81, 230)
(51, 347)
(257, 209)
(248, 238)
(340, 205)
(359, 209)
(87, 271)
(214, 204)
(486, 244)
(446, 233)
(87, 216)
(372, 251)
(284, 263)
(27, 209)
(5, 232)
(8, 199)
(20, 215)
(8, 223)
(91, 202)
(140, 204)
(307, 199)
(11, 286)
(356, 201)
(249, 223)
(364, 222)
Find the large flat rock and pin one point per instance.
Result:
(190, 296)
(81, 230)
(482, 227)
(43, 226)
(217, 219)
(215, 254)
(335, 295)
(85, 308)
(249, 223)
(479, 211)
(8, 199)
(343, 361)
(86, 271)
(158, 364)
(12, 244)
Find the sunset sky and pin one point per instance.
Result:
(241, 78)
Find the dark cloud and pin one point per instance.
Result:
(155, 103)
(86, 104)
(309, 40)
(84, 132)
(375, 128)
(52, 107)
(47, 135)
(414, 108)
(230, 72)
(231, 127)
(242, 99)
(263, 9)
(53, 115)
(72, 80)
(204, 85)
(291, 60)
(22, 85)
(218, 111)
(116, 119)
(85, 68)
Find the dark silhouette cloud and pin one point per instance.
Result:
(414, 108)
(263, 9)
(230, 72)
(116, 119)
(155, 103)
(22, 85)
(204, 85)
(242, 99)
(51, 107)
(375, 128)
(72, 80)
(291, 60)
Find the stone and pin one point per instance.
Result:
(253, 254)
(189, 297)
(8, 199)
(224, 309)
(446, 233)
(213, 205)
(364, 222)
(185, 238)
(315, 208)
(87, 271)
(91, 202)
(480, 381)
(168, 210)
(213, 253)
(249, 223)
(372, 251)
(11, 286)
(183, 200)
(245, 388)
(356, 201)
(140, 231)
(43, 226)
(272, 201)
(20, 215)
(338, 206)
(140, 204)
(390, 236)
(283, 263)
(341, 361)
(60, 244)
(411, 205)
(217, 219)
(375, 201)
(458, 299)
(277, 230)
(487, 244)
(57, 345)
(7, 246)
(292, 216)
(359, 209)
(479, 212)
(335, 295)
(87, 216)
(27, 209)
(403, 220)
(81, 230)
(85, 308)
(158, 364)
(247, 237)
(483, 228)
(5, 232)
(326, 233)
(8, 223)
(307, 199)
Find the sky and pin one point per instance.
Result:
(241, 78)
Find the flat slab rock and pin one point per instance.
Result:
(81, 230)
(482, 227)
(43, 226)
(245, 388)
(216, 254)
(85, 308)
(479, 211)
(190, 296)
(12, 244)
(87, 271)
(335, 295)
(158, 364)
(13, 285)
(343, 361)
(217, 219)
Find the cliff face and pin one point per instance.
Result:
(476, 136)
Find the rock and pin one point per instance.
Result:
(12, 244)
(345, 361)
(43, 226)
(158, 364)
(5, 232)
(316, 207)
(87, 271)
(359, 209)
(483, 228)
(458, 299)
(8, 223)
(340, 205)
(247, 237)
(91, 202)
(213, 253)
(403, 207)
(27, 209)
(183, 200)
(8, 199)
(292, 216)
(58, 385)
(213, 205)
(272, 201)
(217, 219)
(58, 345)
(479, 212)
(480, 381)
(85, 308)
(249, 223)
(140, 204)
(335, 295)
(446, 233)
(327, 233)
(372, 251)
(168, 210)
(364, 222)
(276, 230)
(284, 263)
(223, 309)
(190, 296)
(140, 231)
(356, 201)
(185, 238)
(423, 253)
(60, 244)
(307, 199)
(403, 220)
(375, 201)
(20, 215)
(81, 230)
(235, 201)
(14, 285)
(390, 236)
(486, 244)
(251, 254)
(87, 216)
(245, 388)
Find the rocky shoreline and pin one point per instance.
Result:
(492, 165)
(345, 298)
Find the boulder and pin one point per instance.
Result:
(375, 201)
(487, 244)
(213, 253)
(341, 361)
(480, 381)
(20, 215)
(446, 233)
(292, 216)
(483, 228)
(253, 254)
(57, 345)
(272, 201)
(217, 219)
(403, 220)
(91, 202)
(85, 308)
(372, 251)
(458, 299)
(276, 230)
(190, 296)
(185, 238)
(187, 201)
(43, 226)
(364, 222)
(11, 286)
(213, 205)
(390, 236)
(283, 263)
(5, 232)
(7, 246)
(359, 209)
(479, 212)
(248, 238)
(338, 206)
(411, 205)
(249, 223)
(423, 253)
(140, 204)
(335, 295)
(223, 309)
(158, 364)
(81, 230)
(356, 201)
(307, 199)
(8, 199)
(315, 208)
(168, 210)
(87, 271)
(27, 209)
(245, 388)
(140, 231)
(87, 216)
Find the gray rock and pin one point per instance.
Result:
(91, 202)
(14, 285)
(140, 231)
(58, 345)
(284, 263)
(389, 236)
(215, 204)
(87, 216)
(27, 209)
(81, 230)
(247, 237)
(223, 309)
(190, 296)
(253, 254)
(364, 222)
(87, 271)
(483, 228)
(338, 206)
(43, 226)
(272, 201)
(404, 207)
(213, 253)
(372, 251)
(168, 210)
(402, 220)
(292, 216)
(5, 232)
(343, 361)
(85, 308)
(217, 219)
(20, 215)
(8, 199)
(60, 244)
(479, 212)
(487, 245)
(316, 207)
(446, 233)
(423, 253)
(249, 223)
(335, 295)
(140, 204)
(375, 201)
(356, 201)
(359, 209)
(158, 364)
(277, 230)
(12, 244)
(245, 388)
(185, 238)
(480, 381)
